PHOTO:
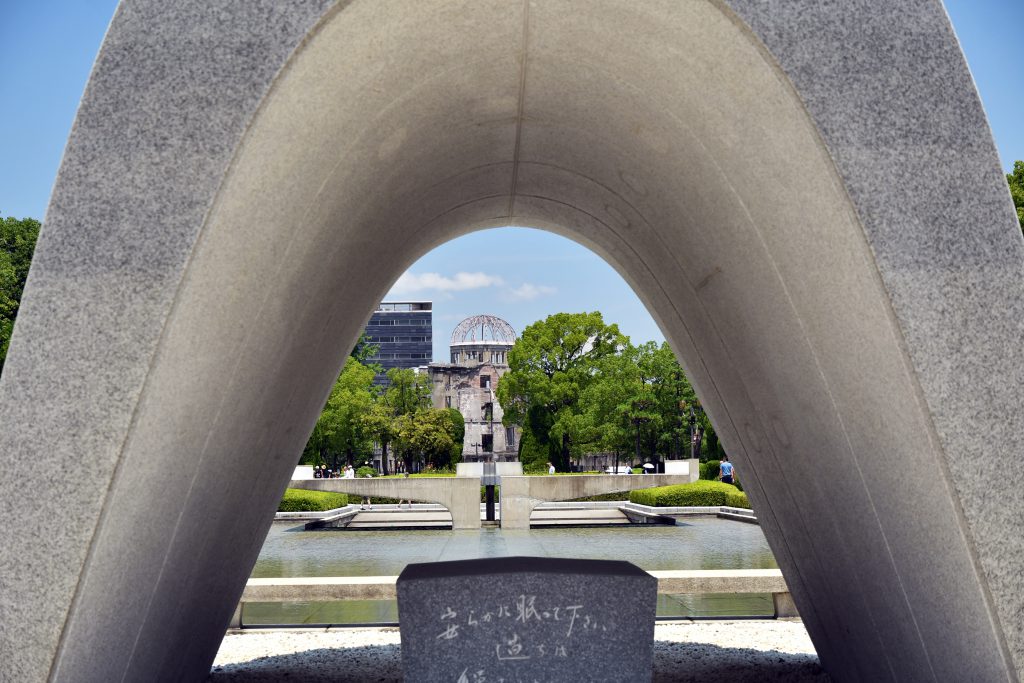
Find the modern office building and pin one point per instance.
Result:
(403, 331)
(479, 357)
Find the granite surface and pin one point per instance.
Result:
(526, 619)
(684, 652)
(155, 132)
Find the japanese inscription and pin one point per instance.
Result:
(498, 625)
(573, 618)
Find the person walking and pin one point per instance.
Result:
(404, 500)
(366, 499)
(551, 468)
(725, 470)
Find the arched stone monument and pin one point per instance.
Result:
(806, 196)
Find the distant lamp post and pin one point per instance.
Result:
(679, 428)
(637, 418)
(681, 405)
(695, 435)
(691, 422)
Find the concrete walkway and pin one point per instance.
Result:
(519, 494)
(392, 517)
(431, 515)
(577, 517)
(396, 518)
(704, 651)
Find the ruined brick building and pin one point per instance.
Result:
(479, 357)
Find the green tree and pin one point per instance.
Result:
(364, 350)
(550, 367)
(673, 395)
(17, 244)
(457, 431)
(425, 437)
(340, 432)
(607, 403)
(639, 405)
(1016, 181)
(379, 423)
(633, 402)
(352, 398)
(408, 393)
(683, 428)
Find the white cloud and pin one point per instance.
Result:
(528, 292)
(411, 283)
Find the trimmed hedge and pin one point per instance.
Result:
(615, 495)
(737, 500)
(697, 494)
(421, 475)
(709, 469)
(299, 500)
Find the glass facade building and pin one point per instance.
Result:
(403, 331)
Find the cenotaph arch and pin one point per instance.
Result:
(805, 195)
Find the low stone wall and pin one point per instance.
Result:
(318, 519)
(461, 495)
(674, 582)
(519, 495)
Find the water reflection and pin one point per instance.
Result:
(704, 543)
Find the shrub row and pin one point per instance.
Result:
(434, 474)
(700, 493)
(697, 494)
(709, 469)
(737, 500)
(615, 495)
(299, 500)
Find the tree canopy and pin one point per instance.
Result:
(1016, 181)
(17, 243)
(340, 432)
(358, 414)
(577, 386)
(550, 367)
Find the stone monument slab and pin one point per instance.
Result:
(526, 619)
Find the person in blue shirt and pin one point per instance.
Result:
(725, 470)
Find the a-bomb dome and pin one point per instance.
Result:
(483, 329)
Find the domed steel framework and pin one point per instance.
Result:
(489, 327)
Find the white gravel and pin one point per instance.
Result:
(748, 650)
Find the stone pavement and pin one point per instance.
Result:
(705, 651)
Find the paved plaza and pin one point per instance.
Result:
(705, 651)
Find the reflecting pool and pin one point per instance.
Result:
(701, 543)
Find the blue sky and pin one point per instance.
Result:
(519, 274)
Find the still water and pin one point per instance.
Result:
(702, 543)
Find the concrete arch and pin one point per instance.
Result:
(245, 181)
